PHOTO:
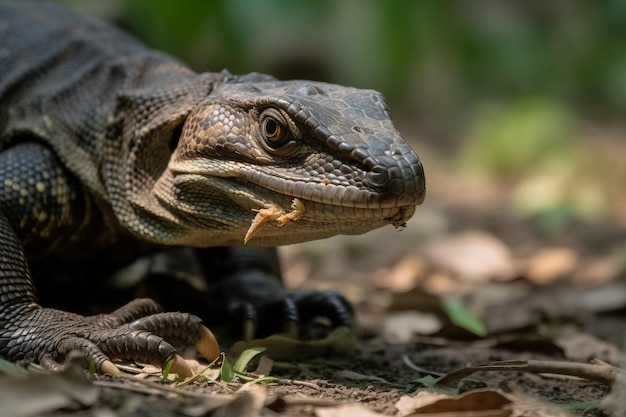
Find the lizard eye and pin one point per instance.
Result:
(274, 128)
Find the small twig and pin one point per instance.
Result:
(408, 362)
(598, 372)
(300, 383)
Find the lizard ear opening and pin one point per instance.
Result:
(175, 137)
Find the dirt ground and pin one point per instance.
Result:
(551, 302)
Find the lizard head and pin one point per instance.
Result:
(267, 162)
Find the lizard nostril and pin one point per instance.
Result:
(378, 176)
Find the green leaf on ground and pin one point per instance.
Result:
(246, 356)
(227, 373)
(462, 317)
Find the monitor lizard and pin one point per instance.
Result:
(109, 148)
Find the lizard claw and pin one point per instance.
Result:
(248, 329)
(267, 314)
(329, 304)
(207, 344)
(183, 326)
(180, 367)
(108, 367)
(261, 314)
(76, 358)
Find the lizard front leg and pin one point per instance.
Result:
(39, 210)
(246, 284)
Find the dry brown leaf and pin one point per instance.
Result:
(473, 256)
(401, 327)
(247, 404)
(404, 275)
(419, 300)
(440, 283)
(598, 271)
(352, 410)
(476, 403)
(409, 403)
(550, 264)
(33, 393)
(582, 346)
(264, 367)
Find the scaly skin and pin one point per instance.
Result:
(110, 149)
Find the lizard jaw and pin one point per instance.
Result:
(314, 220)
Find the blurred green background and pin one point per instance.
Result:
(531, 92)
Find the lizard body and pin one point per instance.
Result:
(107, 145)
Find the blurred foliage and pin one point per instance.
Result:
(509, 138)
(513, 83)
(452, 51)
(555, 169)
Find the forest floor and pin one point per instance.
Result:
(468, 282)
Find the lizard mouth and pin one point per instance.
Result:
(340, 210)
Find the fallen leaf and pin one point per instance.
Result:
(456, 321)
(352, 410)
(550, 264)
(492, 403)
(583, 346)
(264, 366)
(247, 404)
(418, 300)
(407, 404)
(472, 256)
(404, 275)
(462, 317)
(609, 297)
(402, 326)
(245, 357)
(35, 393)
(439, 282)
(597, 271)
(341, 342)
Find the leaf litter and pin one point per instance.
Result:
(521, 322)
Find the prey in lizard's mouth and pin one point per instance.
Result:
(275, 215)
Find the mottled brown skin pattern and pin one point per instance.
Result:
(109, 151)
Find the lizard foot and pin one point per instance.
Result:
(135, 332)
(263, 307)
(289, 314)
